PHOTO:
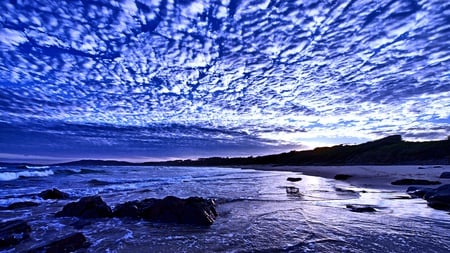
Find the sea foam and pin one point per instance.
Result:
(8, 176)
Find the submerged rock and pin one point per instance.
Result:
(445, 175)
(87, 207)
(342, 177)
(294, 179)
(23, 204)
(409, 181)
(68, 243)
(361, 208)
(13, 232)
(53, 194)
(193, 210)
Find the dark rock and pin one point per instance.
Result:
(68, 243)
(294, 179)
(23, 204)
(421, 168)
(193, 210)
(342, 177)
(361, 208)
(13, 232)
(439, 198)
(53, 194)
(87, 207)
(418, 192)
(409, 181)
(445, 175)
(127, 209)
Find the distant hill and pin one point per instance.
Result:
(391, 150)
(96, 162)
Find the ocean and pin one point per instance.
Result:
(256, 214)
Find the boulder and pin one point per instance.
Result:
(409, 181)
(342, 177)
(294, 179)
(53, 194)
(361, 208)
(445, 175)
(193, 210)
(69, 243)
(13, 232)
(86, 207)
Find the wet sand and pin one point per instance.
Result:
(368, 176)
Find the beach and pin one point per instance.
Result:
(368, 176)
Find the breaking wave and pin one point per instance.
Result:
(8, 176)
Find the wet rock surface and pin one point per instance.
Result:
(87, 207)
(409, 181)
(193, 210)
(53, 194)
(13, 232)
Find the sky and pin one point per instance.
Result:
(148, 80)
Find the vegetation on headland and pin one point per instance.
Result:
(391, 150)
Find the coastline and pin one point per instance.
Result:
(368, 176)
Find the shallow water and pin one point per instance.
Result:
(255, 212)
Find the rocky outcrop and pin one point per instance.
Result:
(87, 207)
(53, 194)
(409, 181)
(361, 208)
(193, 210)
(69, 243)
(439, 198)
(294, 179)
(342, 177)
(23, 204)
(13, 232)
(445, 175)
(418, 192)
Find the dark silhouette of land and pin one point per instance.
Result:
(391, 150)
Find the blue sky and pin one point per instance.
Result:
(158, 79)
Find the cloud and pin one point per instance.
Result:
(280, 72)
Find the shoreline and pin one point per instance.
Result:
(368, 176)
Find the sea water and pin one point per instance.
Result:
(256, 214)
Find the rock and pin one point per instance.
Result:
(439, 198)
(421, 168)
(13, 232)
(342, 177)
(69, 243)
(53, 194)
(361, 208)
(23, 204)
(294, 179)
(418, 192)
(193, 210)
(409, 181)
(87, 207)
(128, 209)
(445, 175)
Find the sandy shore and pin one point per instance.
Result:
(368, 176)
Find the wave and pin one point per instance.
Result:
(78, 171)
(38, 167)
(8, 176)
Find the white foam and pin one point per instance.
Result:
(8, 176)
